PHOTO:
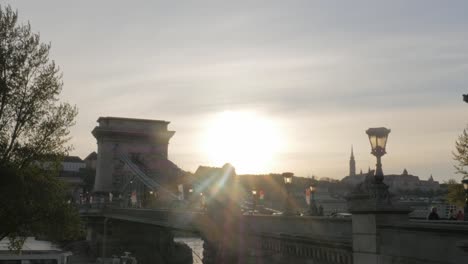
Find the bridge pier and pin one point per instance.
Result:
(372, 208)
(147, 243)
(221, 243)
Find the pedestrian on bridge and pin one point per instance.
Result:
(460, 216)
(433, 215)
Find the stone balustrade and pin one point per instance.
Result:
(327, 228)
(298, 239)
(423, 242)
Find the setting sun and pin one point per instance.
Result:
(247, 140)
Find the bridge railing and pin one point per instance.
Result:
(176, 219)
(437, 241)
(313, 226)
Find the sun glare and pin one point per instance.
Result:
(247, 140)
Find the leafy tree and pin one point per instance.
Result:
(33, 122)
(455, 189)
(34, 126)
(461, 153)
(32, 203)
(88, 176)
(456, 194)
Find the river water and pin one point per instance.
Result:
(196, 244)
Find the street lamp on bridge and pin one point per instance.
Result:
(254, 200)
(190, 193)
(378, 140)
(288, 176)
(312, 206)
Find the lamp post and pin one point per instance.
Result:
(202, 202)
(378, 140)
(312, 206)
(465, 187)
(190, 193)
(288, 176)
(254, 200)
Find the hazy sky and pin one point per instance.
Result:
(321, 71)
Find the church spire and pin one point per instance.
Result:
(431, 179)
(352, 164)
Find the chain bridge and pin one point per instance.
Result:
(140, 205)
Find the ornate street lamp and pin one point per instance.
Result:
(288, 176)
(378, 140)
(254, 200)
(202, 202)
(465, 187)
(190, 193)
(312, 205)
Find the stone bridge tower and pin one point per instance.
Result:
(129, 136)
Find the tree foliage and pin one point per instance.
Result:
(461, 153)
(33, 204)
(455, 189)
(456, 194)
(88, 176)
(33, 122)
(34, 126)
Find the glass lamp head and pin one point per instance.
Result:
(378, 139)
(287, 176)
(312, 188)
(465, 183)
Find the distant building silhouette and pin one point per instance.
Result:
(72, 164)
(352, 164)
(403, 181)
(91, 160)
